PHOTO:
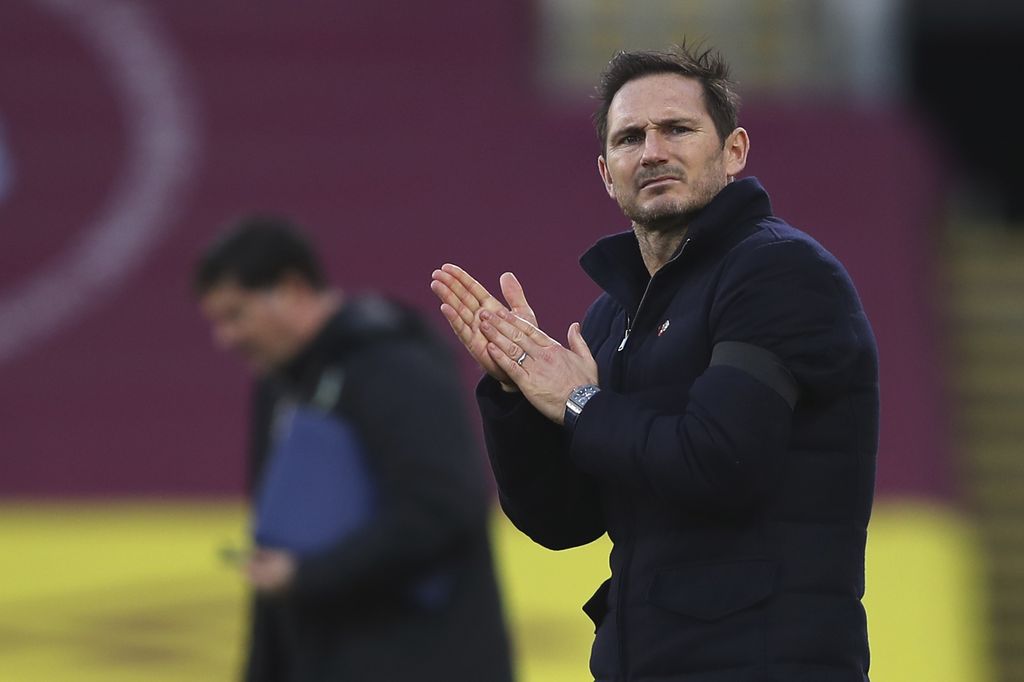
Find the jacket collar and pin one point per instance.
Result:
(616, 265)
(361, 319)
(311, 358)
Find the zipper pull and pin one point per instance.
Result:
(625, 338)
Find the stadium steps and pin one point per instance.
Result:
(985, 304)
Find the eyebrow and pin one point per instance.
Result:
(622, 132)
(679, 120)
(688, 121)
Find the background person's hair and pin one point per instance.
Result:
(257, 252)
(705, 65)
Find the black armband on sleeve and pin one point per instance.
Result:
(759, 363)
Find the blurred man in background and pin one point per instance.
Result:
(370, 511)
(716, 415)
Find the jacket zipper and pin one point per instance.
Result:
(620, 616)
(647, 289)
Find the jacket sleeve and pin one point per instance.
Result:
(539, 488)
(782, 333)
(265, 660)
(405, 402)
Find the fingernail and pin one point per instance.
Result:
(485, 315)
(502, 313)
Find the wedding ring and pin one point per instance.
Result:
(519, 360)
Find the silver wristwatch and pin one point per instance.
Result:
(578, 397)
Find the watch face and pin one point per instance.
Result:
(577, 399)
(582, 394)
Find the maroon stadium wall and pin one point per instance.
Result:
(404, 135)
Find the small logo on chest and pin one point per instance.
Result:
(664, 327)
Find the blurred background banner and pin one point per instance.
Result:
(408, 134)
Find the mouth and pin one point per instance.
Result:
(660, 180)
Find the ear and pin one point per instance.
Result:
(606, 177)
(736, 147)
(291, 286)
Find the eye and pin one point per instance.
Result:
(631, 138)
(679, 130)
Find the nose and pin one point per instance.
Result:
(225, 337)
(655, 150)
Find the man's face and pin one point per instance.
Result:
(663, 158)
(251, 322)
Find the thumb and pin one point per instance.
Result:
(576, 342)
(514, 295)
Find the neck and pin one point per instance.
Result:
(327, 304)
(312, 318)
(656, 246)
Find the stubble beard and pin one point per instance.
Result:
(675, 216)
(666, 219)
(671, 217)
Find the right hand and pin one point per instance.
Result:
(462, 300)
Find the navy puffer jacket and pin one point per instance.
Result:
(730, 455)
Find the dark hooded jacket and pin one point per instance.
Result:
(411, 593)
(730, 455)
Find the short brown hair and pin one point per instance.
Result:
(704, 65)
(256, 252)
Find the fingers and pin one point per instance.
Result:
(513, 334)
(462, 300)
(465, 286)
(510, 349)
(452, 293)
(510, 341)
(473, 340)
(459, 305)
(526, 327)
(461, 328)
(507, 364)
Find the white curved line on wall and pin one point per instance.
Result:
(6, 167)
(161, 151)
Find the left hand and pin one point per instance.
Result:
(550, 371)
(270, 570)
(463, 298)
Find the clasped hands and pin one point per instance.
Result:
(497, 337)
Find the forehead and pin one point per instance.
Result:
(658, 97)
